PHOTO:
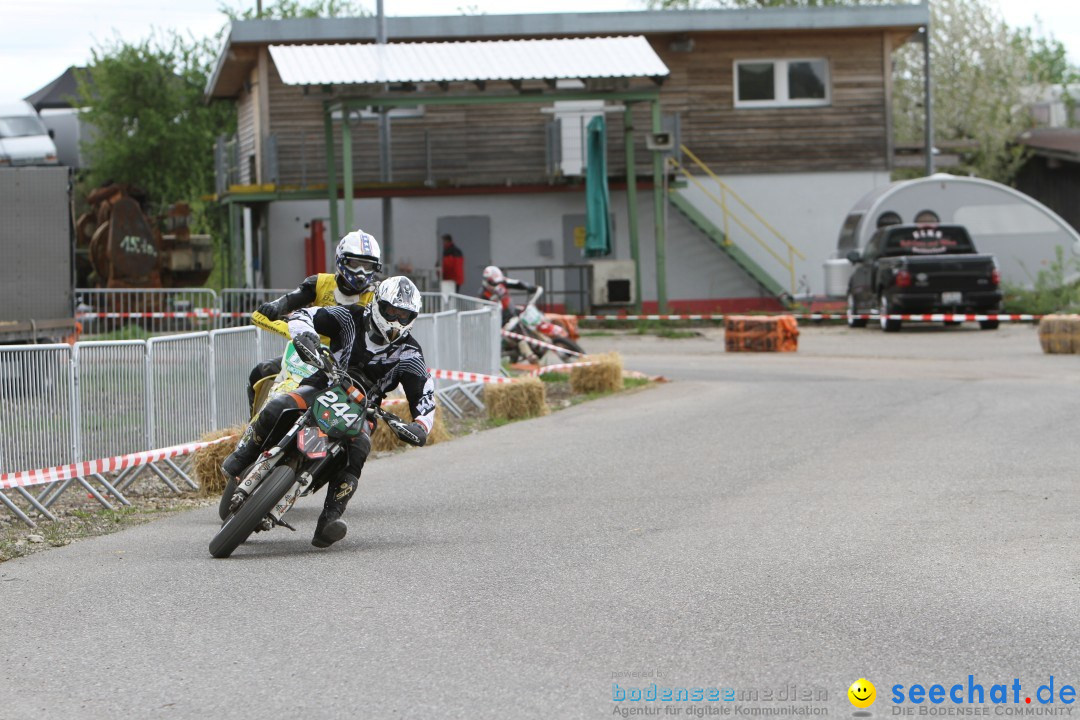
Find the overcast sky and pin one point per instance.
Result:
(41, 38)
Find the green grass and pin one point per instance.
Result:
(664, 329)
(672, 334)
(597, 333)
(631, 382)
(554, 377)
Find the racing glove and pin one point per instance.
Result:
(412, 433)
(307, 345)
(271, 309)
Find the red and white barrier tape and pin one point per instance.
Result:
(950, 317)
(541, 343)
(202, 314)
(925, 317)
(26, 478)
(650, 317)
(468, 376)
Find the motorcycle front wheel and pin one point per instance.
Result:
(567, 344)
(226, 499)
(267, 494)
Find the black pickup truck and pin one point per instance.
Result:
(911, 269)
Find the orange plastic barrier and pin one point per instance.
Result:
(760, 333)
(568, 323)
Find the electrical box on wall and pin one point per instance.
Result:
(613, 282)
(662, 141)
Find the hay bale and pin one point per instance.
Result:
(523, 398)
(385, 439)
(603, 376)
(1060, 334)
(207, 461)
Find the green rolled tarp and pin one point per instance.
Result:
(597, 197)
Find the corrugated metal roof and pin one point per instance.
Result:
(572, 58)
(1064, 141)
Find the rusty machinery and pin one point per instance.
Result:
(118, 246)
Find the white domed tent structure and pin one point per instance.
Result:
(1021, 232)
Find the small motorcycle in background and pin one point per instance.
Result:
(531, 322)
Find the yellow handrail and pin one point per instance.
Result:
(789, 264)
(740, 223)
(697, 161)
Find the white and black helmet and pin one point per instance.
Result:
(394, 310)
(358, 259)
(493, 276)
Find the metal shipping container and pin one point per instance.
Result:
(36, 268)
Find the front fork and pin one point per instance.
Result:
(304, 485)
(267, 461)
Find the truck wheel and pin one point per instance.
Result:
(851, 310)
(886, 324)
(988, 324)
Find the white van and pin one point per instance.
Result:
(23, 137)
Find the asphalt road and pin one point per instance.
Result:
(900, 508)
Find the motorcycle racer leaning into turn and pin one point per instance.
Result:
(357, 258)
(496, 287)
(375, 344)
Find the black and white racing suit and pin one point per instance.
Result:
(320, 290)
(377, 368)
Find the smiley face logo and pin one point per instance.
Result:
(862, 693)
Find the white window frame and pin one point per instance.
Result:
(780, 84)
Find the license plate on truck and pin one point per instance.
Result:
(952, 298)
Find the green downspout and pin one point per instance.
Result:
(236, 243)
(658, 214)
(331, 173)
(632, 201)
(346, 168)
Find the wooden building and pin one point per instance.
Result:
(1052, 173)
(787, 108)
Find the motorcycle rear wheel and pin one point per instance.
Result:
(268, 493)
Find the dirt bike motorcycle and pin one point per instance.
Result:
(530, 321)
(305, 450)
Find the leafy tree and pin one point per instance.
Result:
(153, 128)
(705, 4)
(290, 9)
(979, 69)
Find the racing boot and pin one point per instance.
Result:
(331, 527)
(246, 452)
(527, 353)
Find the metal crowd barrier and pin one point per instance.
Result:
(113, 418)
(237, 304)
(141, 312)
(236, 351)
(37, 399)
(65, 404)
(182, 377)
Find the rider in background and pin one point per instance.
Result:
(376, 346)
(358, 258)
(496, 287)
